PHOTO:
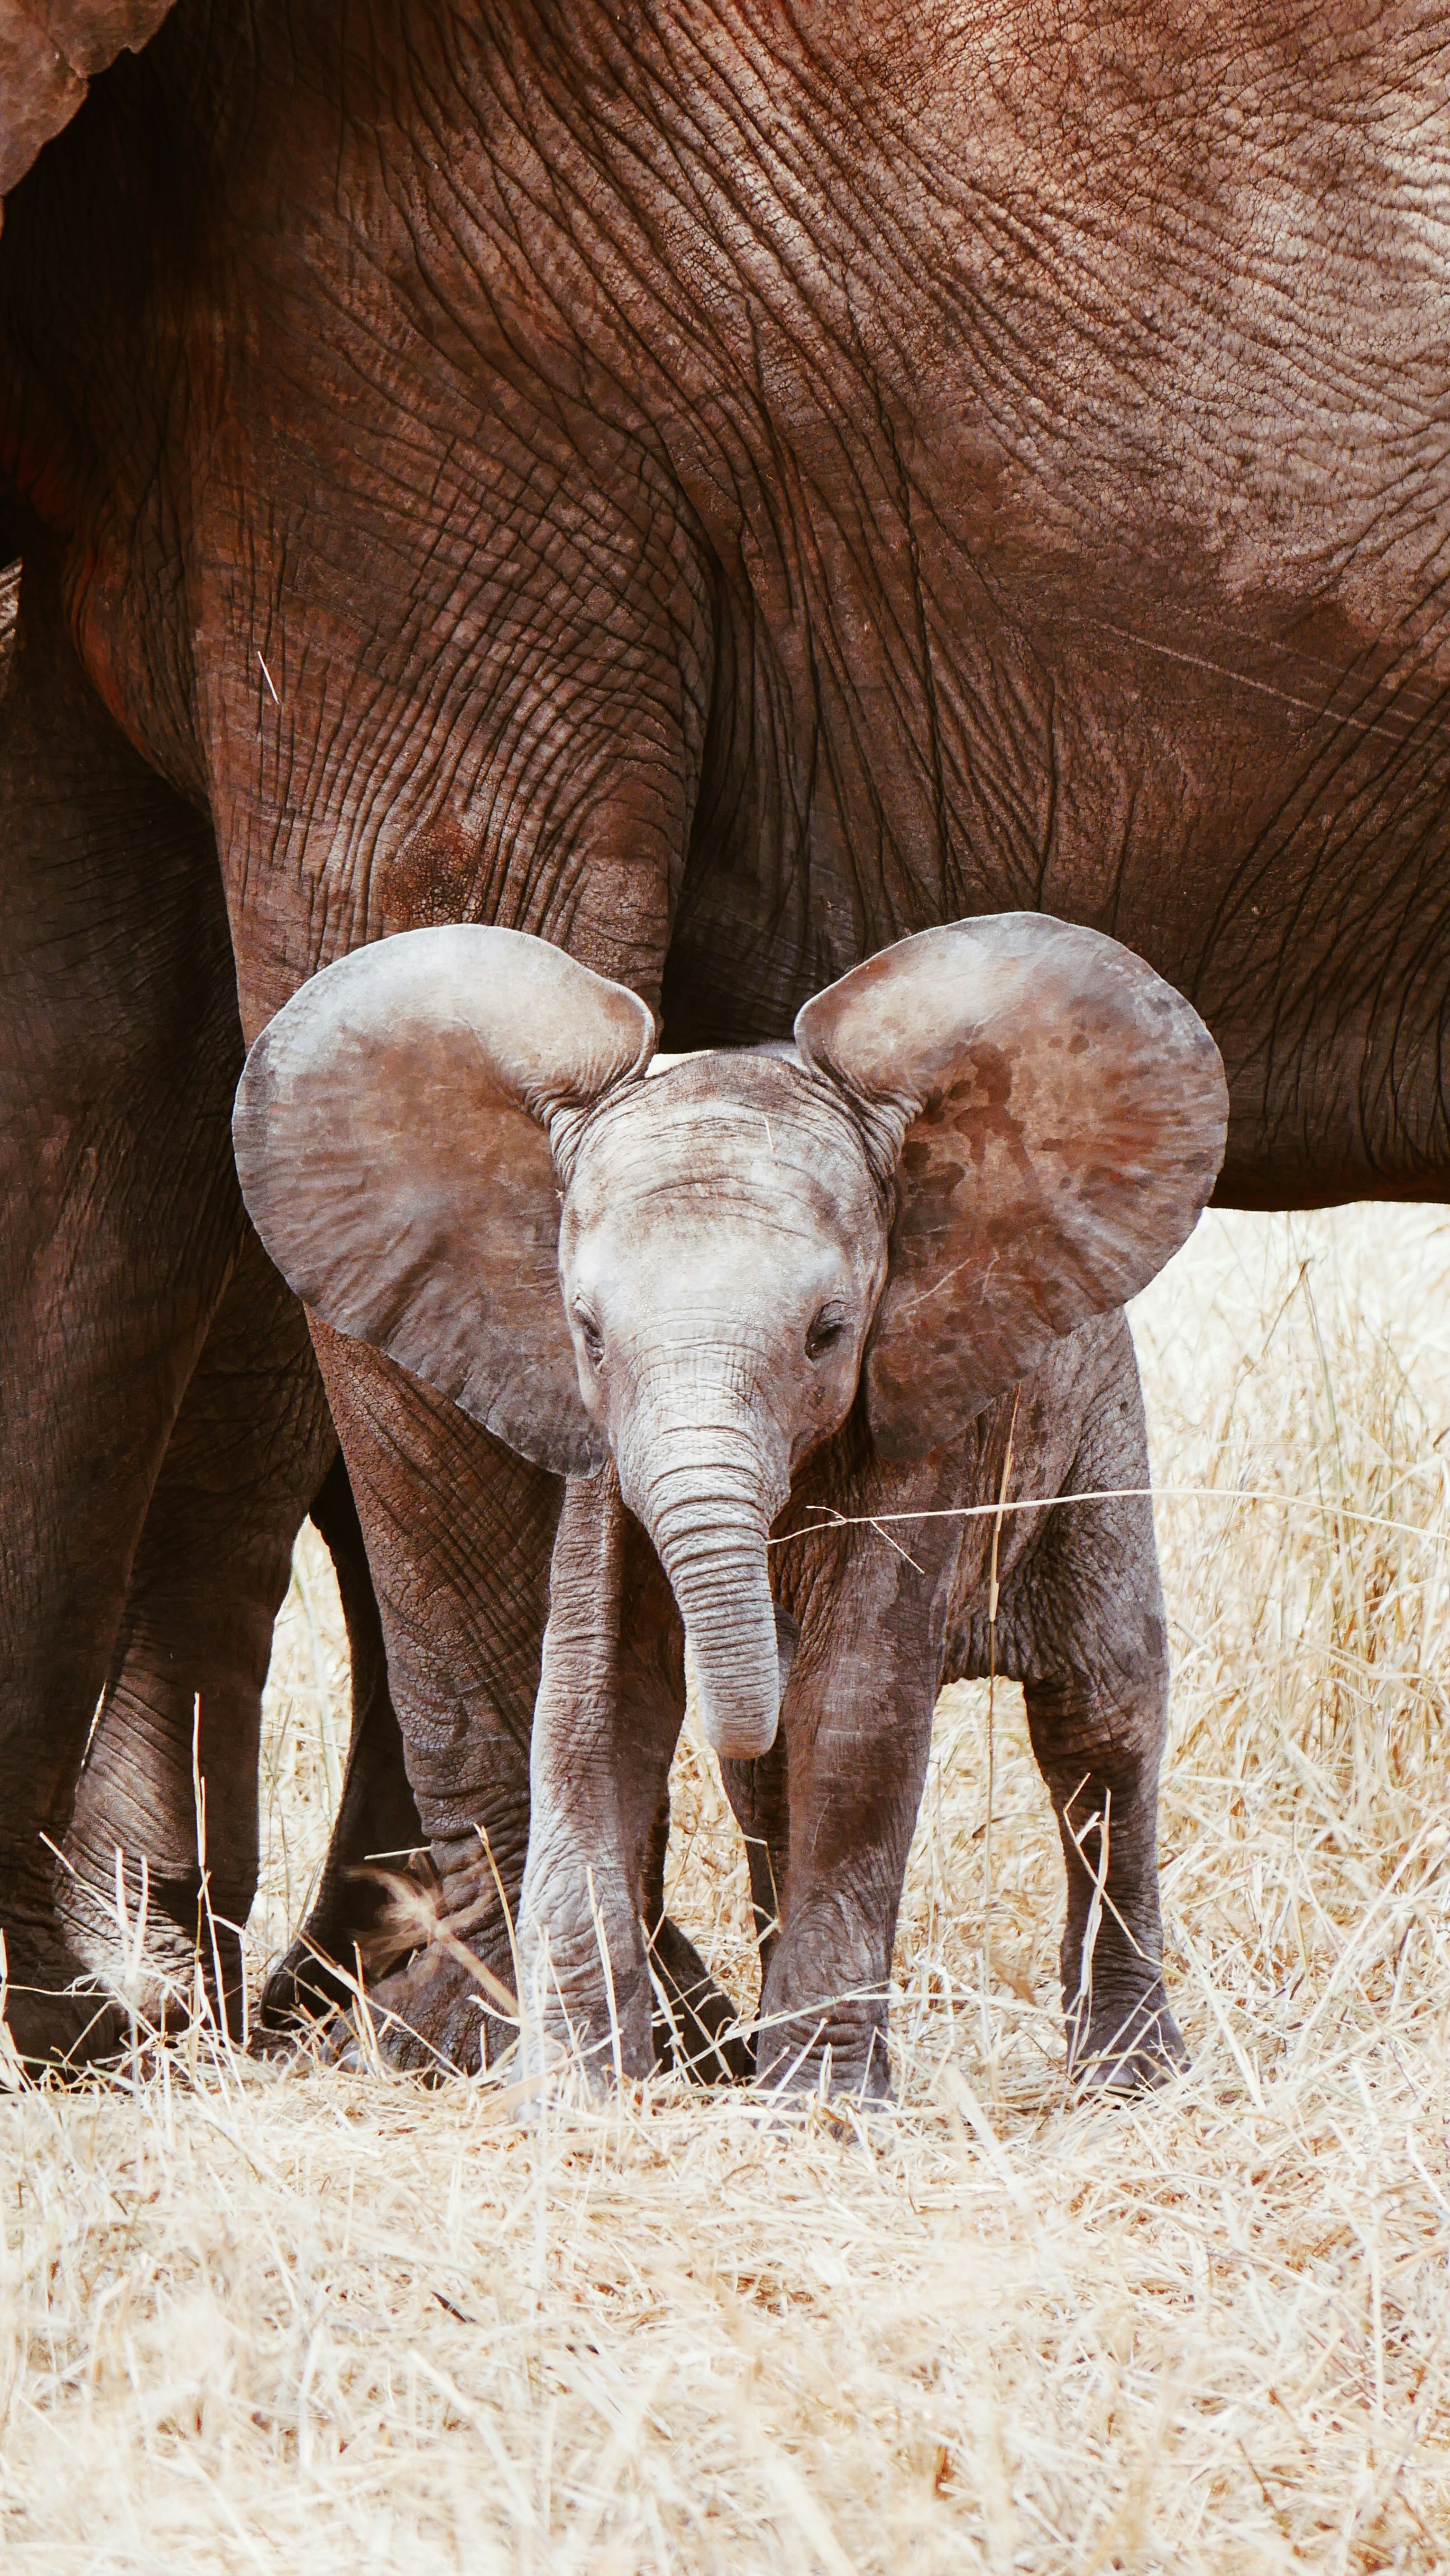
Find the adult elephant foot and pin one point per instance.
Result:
(1124, 2043)
(161, 1854)
(57, 2014)
(437, 1978)
(426, 2018)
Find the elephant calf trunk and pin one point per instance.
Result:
(713, 1550)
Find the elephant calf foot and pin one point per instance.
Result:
(1123, 2041)
(657, 2008)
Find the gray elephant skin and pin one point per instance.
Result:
(722, 488)
(735, 1298)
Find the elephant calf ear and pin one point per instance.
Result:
(1064, 1119)
(393, 1153)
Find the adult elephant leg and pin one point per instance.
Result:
(119, 1050)
(377, 1817)
(610, 1706)
(173, 1760)
(459, 1536)
(458, 1529)
(467, 682)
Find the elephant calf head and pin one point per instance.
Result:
(455, 1146)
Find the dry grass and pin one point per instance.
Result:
(251, 2318)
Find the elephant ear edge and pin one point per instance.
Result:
(1062, 1111)
(391, 1134)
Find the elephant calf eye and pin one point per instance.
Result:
(827, 1329)
(590, 1335)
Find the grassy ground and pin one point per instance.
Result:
(251, 2318)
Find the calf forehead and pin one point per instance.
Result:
(719, 1128)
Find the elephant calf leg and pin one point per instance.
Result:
(824, 1996)
(759, 1795)
(1083, 1629)
(611, 1701)
(695, 2023)
(1099, 1753)
(857, 1723)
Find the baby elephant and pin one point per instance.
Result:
(735, 1297)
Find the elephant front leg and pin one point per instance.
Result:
(459, 1533)
(858, 1726)
(611, 1702)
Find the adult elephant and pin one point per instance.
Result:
(722, 487)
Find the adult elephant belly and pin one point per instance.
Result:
(1080, 495)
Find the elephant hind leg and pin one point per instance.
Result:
(759, 1796)
(119, 1053)
(696, 2026)
(1098, 1750)
(1082, 1627)
(170, 1778)
(377, 1817)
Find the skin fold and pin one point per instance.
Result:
(722, 489)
